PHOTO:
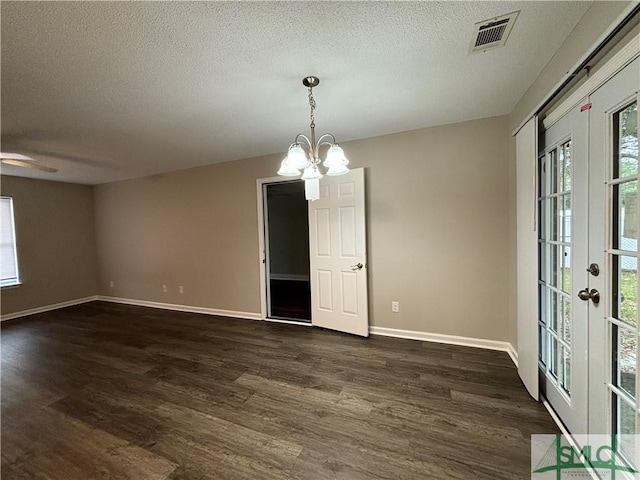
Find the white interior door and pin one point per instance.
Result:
(338, 255)
(563, 200)
(613, 246)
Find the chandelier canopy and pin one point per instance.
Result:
(304, 152)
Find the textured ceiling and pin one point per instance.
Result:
(106, 91)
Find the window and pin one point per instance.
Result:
(8, 255)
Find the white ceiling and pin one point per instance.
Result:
(106, 91)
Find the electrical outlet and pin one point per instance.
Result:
(181, 289)
(164, 288)
(111, 283)
(395, 307)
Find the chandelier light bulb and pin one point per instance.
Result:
(287, 170)
(335, 157)
(337, 170)
(297, 158)
(311, 173)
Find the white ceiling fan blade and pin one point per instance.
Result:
(19, 160)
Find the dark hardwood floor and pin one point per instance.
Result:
(291, 299)
(105, 391)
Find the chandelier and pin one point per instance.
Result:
(304, 153)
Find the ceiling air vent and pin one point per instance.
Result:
(492, 33)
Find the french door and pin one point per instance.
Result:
(563, 219)
(588, 262)
(613, 247)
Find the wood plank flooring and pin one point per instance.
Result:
(106, 391)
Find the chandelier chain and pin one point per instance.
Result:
(312, 104)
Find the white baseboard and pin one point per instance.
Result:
(554, 416)
(513, 353)
(449, 339)
(181, 308)
(47, 308)
(289, 322)
(382, 331)
(567, 434)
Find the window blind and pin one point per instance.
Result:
(8, 257)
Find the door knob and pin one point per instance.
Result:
(357, 266)
(587, 294)
(594, 269)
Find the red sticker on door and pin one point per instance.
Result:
(586, 106)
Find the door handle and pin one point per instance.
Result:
(587, 294)
(357, 266)
(594, 269)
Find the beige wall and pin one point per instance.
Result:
(196, 228)
(437, 202)
(55, 241)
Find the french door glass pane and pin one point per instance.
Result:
(627, 348)
(623, 310)
(566, 330)
(566, 171)
(542, 227)
(566, 269)
(553, 356)
(626, 137)
(556, 273)
(554, 237)
(542, 344)
(626, 427)
(626, 215)
(553, 311)
(553, 172)
(565, 214)
(566, 370)
(625, 276)
(542, 296)
(555, 219)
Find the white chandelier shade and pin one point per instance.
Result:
(296, 158)
(304, 153)
(337, 170)
(288, 171)
(336, 158)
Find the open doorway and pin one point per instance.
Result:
(286, 241)
(326, 239)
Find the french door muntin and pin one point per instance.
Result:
(621, 315)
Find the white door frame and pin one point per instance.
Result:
(262, 248)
